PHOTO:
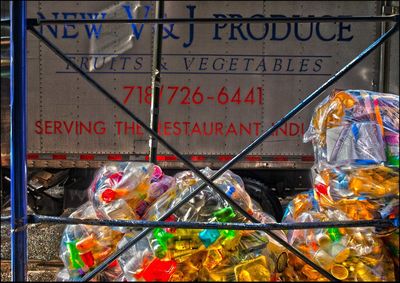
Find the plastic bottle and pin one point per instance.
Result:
(158, 270)
(209, 236)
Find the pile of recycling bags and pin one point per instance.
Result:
(355, 135)
(134, 191)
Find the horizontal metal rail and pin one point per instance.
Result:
(327, 19)
(380, 223)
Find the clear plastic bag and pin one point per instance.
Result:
(356, 127)
(118, 189)
(355, 139)
(205, 254)
(83, 247)
(362, 192)
(350, 254)
(125, 191)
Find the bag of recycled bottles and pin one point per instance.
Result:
(356, 127)
(362, 193)
(350, 254)
(204, 254)
(124, 191)
(83, 247)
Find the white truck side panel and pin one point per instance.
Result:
(198, 61)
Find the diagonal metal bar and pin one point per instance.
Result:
(265, 135)
(91, 274)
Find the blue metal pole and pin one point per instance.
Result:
(19, 253)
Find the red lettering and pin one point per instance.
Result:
(186, 90)
(218, 128)
(177, 129)
(87, 128)
(118, 124)
(175, 90)
(167, 128)
(57, 127)
(130, 128)
(283, 130)
(186, 127)
(247, 130)
(196, 129)
(193, 95)
(159, 129)
(232, 129)
(101, 130)
(210, 132)
(39, 126)
(66, 126)
(290, 129)
(258, 125)
(130, 88)
(47, 125)
(294, 132)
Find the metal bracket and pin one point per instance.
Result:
(32, 22)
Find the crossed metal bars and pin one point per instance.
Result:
(20, 219)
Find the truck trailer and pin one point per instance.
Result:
(221, 86)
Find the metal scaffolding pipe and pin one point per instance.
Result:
(380, 223)
(155, 81)
(19, 242)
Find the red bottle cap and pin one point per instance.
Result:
(321, 189)
(108, 195)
